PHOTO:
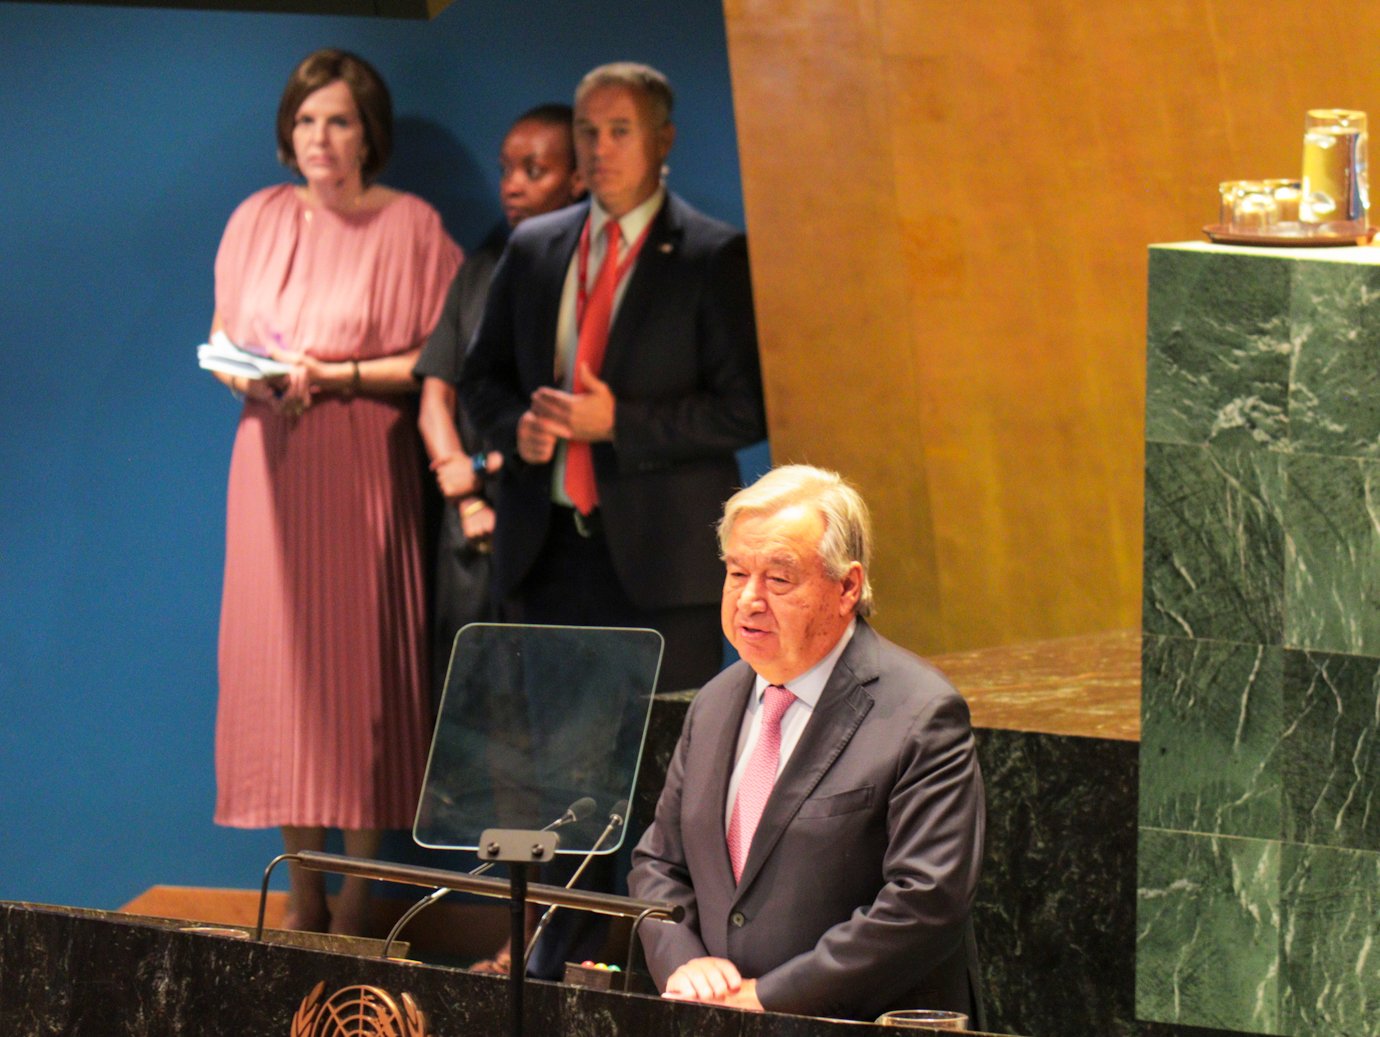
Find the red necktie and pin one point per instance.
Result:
(758, 778)
(594, 338)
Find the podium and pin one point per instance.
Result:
(93, 974)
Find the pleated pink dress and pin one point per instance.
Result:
(324, 716)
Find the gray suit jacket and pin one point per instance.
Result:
(855, 896)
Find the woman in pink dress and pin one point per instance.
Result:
(324, 716)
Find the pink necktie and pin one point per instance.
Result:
(580, 486)
(758, 778)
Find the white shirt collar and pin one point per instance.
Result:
(809, 686)
(632, 224)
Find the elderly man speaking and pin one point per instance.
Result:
(822, 819)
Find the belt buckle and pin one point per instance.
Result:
(586, 525)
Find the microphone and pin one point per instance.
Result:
(576, 812)
(617, 817)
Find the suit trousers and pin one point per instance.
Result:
(573, 582)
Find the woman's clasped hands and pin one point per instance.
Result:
(293, 393)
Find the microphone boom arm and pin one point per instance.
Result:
(413, 875)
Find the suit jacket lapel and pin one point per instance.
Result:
(546, 299)
(721, 751)
(654, 263)
(841, 710)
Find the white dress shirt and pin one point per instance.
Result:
(630, 228)
(807, 688)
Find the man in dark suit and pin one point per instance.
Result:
(822, 820)
(618, 392)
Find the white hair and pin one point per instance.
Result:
(847, 526)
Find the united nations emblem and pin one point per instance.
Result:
(358, 1012)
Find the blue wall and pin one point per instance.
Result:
(129, 135)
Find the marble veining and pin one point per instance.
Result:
(1259, 862)
(1330, 967)
(1214, 543)
(1055, 911)
(1212, 713)
(1331, 750)
(1334, 381)
(1332, 554)
(1207, 936)
(1218, 356)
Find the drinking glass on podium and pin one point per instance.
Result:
(1248, 206)
(924, 1019)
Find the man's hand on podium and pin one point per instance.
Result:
(713, 981)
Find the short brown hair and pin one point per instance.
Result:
(642, 80)
(322, 68)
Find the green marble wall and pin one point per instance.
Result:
(1259, 856)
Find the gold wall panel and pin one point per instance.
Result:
(948, 207)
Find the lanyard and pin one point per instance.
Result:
(582, 267)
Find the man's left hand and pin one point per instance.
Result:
(589, 415)
(745, 997)
(713, 981)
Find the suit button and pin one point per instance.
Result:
(738, 919)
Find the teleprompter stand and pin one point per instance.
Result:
(517, 848)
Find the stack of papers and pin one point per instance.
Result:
(220, 354)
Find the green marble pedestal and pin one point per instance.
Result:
(1259, 873)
